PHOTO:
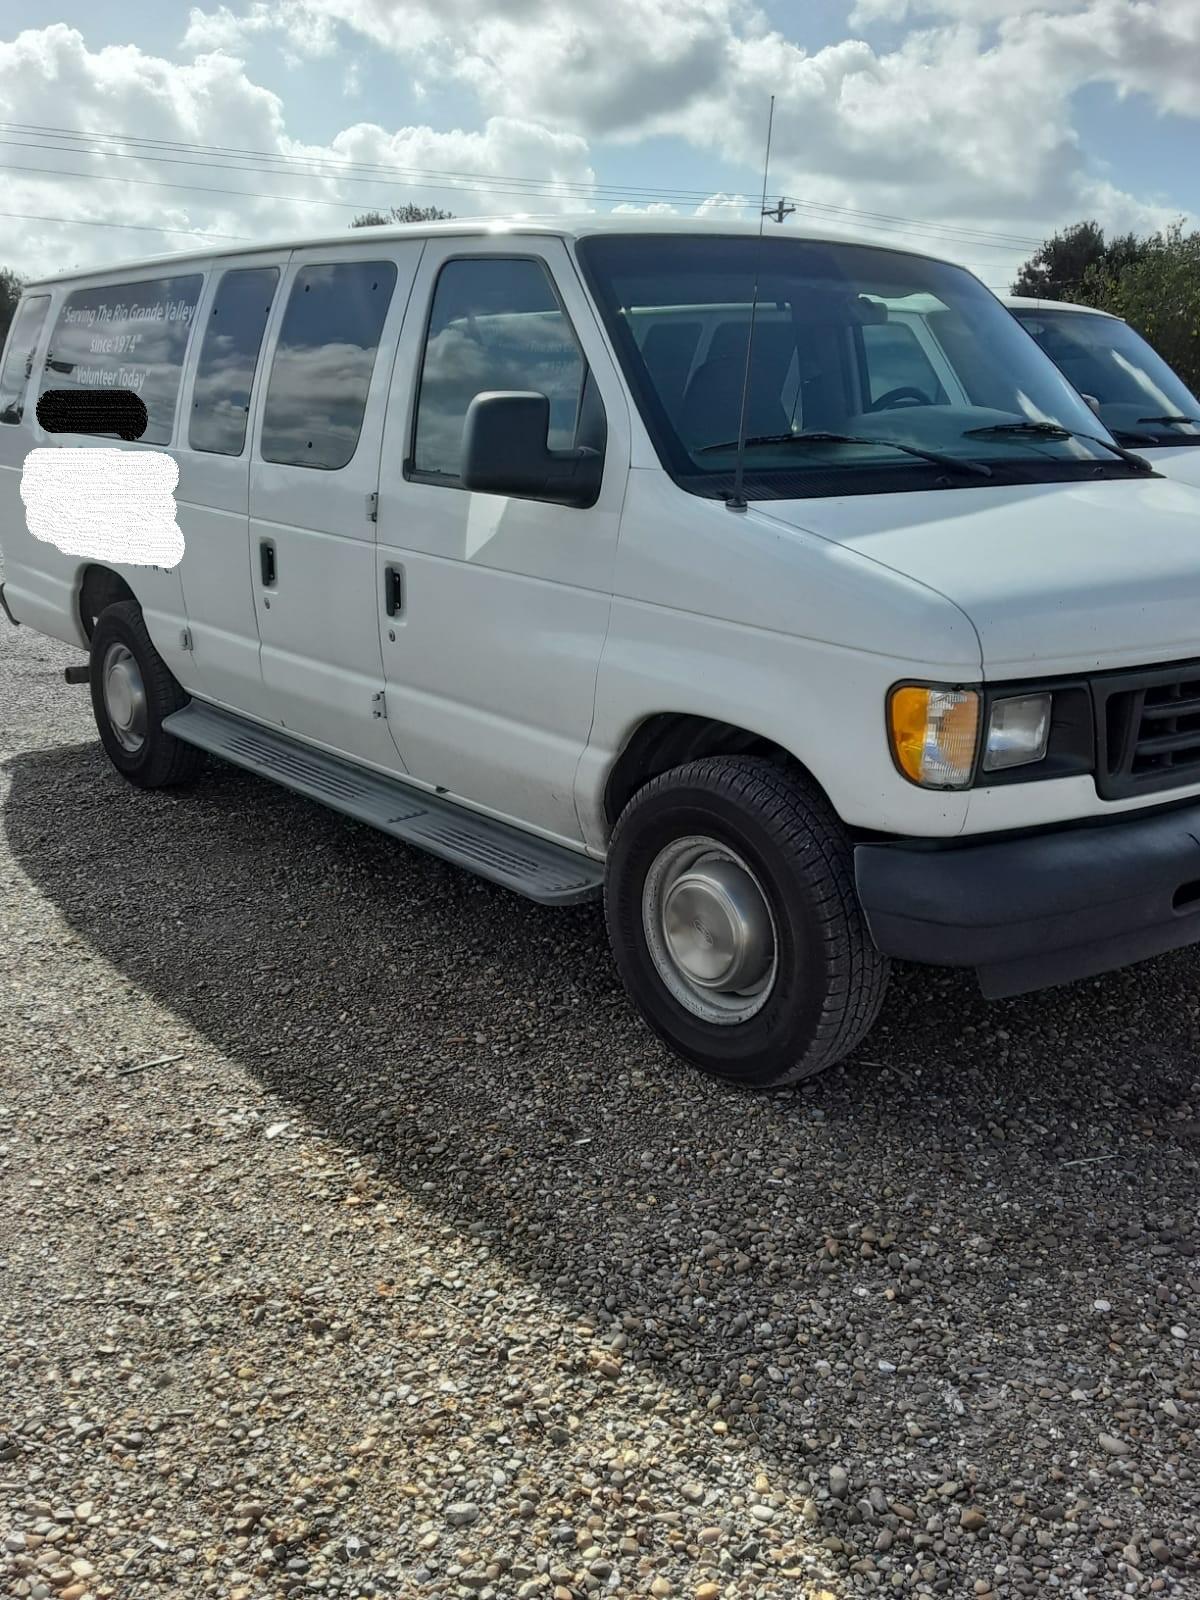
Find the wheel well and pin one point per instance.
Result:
(669, 739)
(100, 587)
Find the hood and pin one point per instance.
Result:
(1056, 577)
(1181, 462)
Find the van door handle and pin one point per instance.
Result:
(266, 556)
(393, 590)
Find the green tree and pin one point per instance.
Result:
(1058, 269)
(405, 213)
(1158, 293)
(10, 293)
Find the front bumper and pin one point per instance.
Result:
(4, 608)
(1041, 909)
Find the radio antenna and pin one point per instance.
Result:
(737, 500)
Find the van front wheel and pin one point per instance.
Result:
(735, 923)
(133, 690)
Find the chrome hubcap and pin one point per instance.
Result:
(709, 930)
(124, 697)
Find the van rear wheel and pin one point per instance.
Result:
(133, 690)
(735, 923)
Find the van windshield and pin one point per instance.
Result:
(1142, 400)
(872, 371)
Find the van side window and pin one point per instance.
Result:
(229, 358)
(495, 323)
(127, 336)
(895, 360)
(23, 339)
(321, 370)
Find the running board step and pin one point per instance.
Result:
(532, 867)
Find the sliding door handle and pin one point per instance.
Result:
(266, 557)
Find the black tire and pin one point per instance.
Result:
(829, 980)
(160, 760)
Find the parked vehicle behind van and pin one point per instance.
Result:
(1142, 401)
(469, 557)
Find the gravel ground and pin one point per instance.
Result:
(359, 1241)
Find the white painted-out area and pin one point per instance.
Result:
(110, 505)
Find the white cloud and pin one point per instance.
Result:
(48, 77)
(866, 12)
(727, 207)
(505, 147)
(623, 67)
(224, 29)
(309, 31)
(1149, 47)
(968, 121)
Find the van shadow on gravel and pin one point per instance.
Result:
(1022, 1154)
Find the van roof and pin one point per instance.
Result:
(560, 227)
(1017, 302)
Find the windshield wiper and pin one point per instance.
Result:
(1129, 436)
(974, 469)
(1055, 430)
(1194, 420)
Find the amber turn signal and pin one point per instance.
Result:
(935, 734)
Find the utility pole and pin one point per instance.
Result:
(778, 211)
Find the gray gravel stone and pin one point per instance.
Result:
(462, 1514)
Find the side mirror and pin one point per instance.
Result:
(505, 452)
(1092, 402)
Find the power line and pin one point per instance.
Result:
(346, 165)
(199, 188)
(336, 167)
(234, 159)
(453, 183)
(138, 227)
(869, 221)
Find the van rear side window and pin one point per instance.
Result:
(229, 358)
(321, 370)
(18, 356)
(127, 336)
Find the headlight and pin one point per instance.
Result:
(935, 734)
(1017, 733)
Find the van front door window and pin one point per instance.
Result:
(495, 323)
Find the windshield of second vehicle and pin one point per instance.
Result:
(1136, 393)
(849, 339)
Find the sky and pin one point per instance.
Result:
(971, 128)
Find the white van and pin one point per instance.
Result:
(468, 557)
(1142, 401)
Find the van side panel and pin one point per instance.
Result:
(42, 584)
(776, 631)
(213, 510)
(39, 581)
(491, 661)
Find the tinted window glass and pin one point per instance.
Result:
(127, 336)
(1140, 397)
(18, 356)
(895, 361)
(228, 359)
(669, 350)
(495, 324)
(323, 363)
(815, 301)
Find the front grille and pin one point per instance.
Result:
(1148, 730)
